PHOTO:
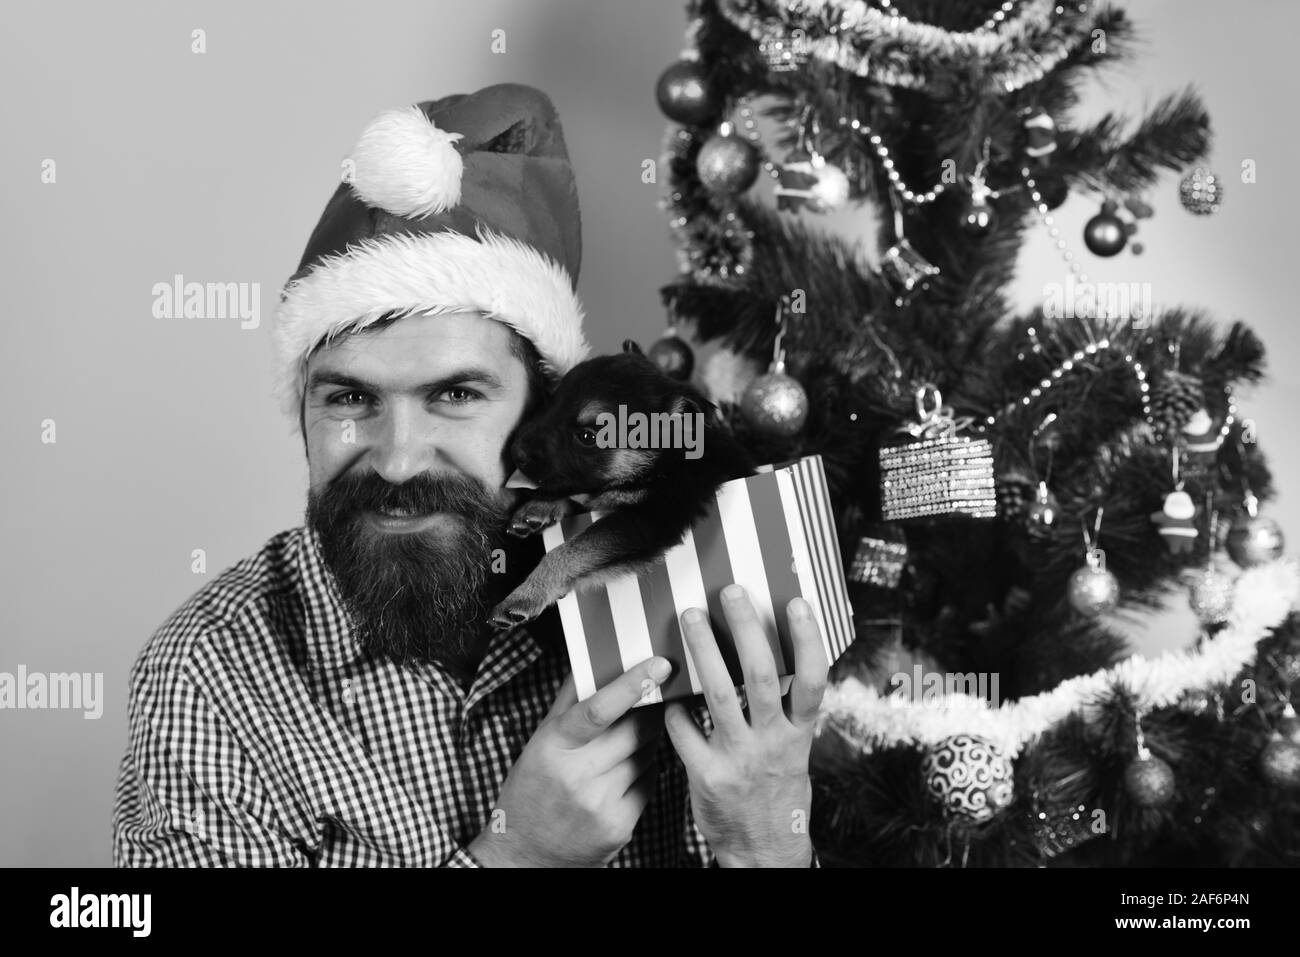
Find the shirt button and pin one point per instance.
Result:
(349, 695)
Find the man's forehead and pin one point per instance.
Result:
(421, 341)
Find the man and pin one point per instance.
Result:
(337, 698)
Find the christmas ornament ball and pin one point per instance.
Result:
(684, 93)
(1211, 596)
(775, 404)
(978, 219)
(727, 164)
(673, 356)
(1149, 781)
(1255, 540)
(1054, 191)
(1092, 591)
(1279, 762)
(970, 777)
(1104, 234)
(1201, 192)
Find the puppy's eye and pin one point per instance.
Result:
(585, 436)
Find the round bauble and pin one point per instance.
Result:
(1255, 540)
(685, 95)
(1279, 762)
(673, 356)
(775, 404)
(969, 777)
(1210, 596)
(1092, 591)
(1149, 781)
(1054, 191)
(727, 164)
(1104, 234)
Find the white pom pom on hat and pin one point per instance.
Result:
(407, 166)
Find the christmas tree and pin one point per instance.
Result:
(1001, 483)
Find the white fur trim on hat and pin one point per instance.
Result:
(406, 165)
(498, 275)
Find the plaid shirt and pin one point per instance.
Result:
(260, 734)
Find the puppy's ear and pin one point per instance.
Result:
(629, 345)
(691, 400)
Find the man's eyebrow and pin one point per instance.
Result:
(479, 374)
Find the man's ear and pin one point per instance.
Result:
(629, 345)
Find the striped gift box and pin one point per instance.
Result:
(772, 533)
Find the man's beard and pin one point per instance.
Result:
(411, 595)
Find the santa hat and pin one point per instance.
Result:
(463, 203)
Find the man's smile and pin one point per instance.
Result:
(404, 520)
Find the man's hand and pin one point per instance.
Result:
(580, 785)
(750, 791)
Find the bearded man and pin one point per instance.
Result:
(338, 698)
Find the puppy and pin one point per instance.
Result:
(574, 448)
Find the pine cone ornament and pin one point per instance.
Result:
(1175, 399)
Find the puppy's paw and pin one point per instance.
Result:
(535, 515)
(515, 611)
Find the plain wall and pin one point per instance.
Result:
(216, 167)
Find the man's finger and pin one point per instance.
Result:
(565, 698)
(762, 685)
(624, 775)
(810, 664)
(629, 734)
(688, 740)
(715, 681)
(586, 720)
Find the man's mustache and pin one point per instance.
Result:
(422, 494)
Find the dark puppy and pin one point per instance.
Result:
(603, 435)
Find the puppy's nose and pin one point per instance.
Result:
(519, 452)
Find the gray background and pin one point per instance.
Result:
(217, 166)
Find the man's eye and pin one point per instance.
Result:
(586, 436)
(458, 395)
(349, 399)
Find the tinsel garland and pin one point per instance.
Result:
(901, 53)
(1263, 597)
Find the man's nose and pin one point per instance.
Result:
(404, 447)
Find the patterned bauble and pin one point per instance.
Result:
(1201, 192)
(1175, 399)
(1254, 540)
(685, 95)
(1279, 762)
(1104, 234)
(727, 164)
(1149, 781)
(775, 404)
(1092, 590)
(1210, 595)
(673, 356)
(970, 778)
